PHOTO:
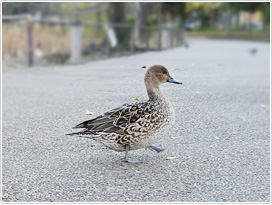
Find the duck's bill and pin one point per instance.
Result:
(171, 80)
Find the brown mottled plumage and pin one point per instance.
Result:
(135, 125)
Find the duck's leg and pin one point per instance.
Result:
(154, 148)
(126, 156)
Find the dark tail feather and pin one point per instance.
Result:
(84, 124)
(73, 134)
(91, 123)
(81, 125)
(83, 134)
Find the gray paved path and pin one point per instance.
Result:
(218, 149)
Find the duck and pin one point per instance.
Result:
(135, 125)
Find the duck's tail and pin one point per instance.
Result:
(86, 133)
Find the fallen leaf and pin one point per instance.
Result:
(79, 78)
(121, 66)
(169, 158)
(89, 113)
(264, 106)
(136, 98)
(256, 87)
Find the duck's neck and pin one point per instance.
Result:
(155, 94)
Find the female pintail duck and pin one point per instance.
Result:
(135, 125)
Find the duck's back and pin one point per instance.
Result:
(136, 124)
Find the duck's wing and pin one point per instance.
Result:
(116, 120)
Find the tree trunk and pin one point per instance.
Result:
(138, 13)
(30, 40)
(116, 14)
(227, 23)
(182, 31)
(99, 27)
(238, 19)
(159, 14)
(250, 22)
(147, 8)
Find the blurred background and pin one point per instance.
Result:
(46, 33)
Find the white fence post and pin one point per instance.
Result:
(76, 39)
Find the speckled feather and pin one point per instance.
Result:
(129, 124)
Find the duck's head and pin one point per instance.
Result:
(158, 74)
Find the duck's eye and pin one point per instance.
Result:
(164, 73)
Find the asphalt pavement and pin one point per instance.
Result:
(217, 151)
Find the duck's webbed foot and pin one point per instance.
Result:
(154, 148)
(125, 159)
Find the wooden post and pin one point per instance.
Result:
(178, 40)
(108, 47)
(147, 39)
(172, 39)
(132, 40)
(166, 35)
(98, 27)
(30, 40)
(159, 38)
